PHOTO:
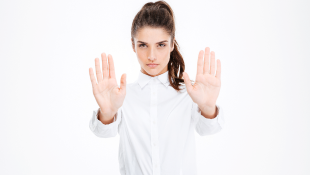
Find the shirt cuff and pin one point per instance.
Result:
(97, 125)
(218, 120)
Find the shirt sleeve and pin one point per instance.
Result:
(105, 130)
(205, 126)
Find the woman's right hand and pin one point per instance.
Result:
(107, 94)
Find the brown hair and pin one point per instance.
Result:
(160, 15)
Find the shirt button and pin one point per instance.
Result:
(154, 122)
(154, 144)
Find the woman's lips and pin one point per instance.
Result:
(152, 65)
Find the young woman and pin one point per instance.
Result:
(156, 116)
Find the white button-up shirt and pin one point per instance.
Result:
(156, 125)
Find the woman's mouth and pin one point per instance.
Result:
(152, 65)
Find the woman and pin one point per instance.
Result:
(155, 117)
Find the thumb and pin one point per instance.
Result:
(123, 83)
(188, 83)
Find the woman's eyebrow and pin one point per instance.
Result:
(156, 43)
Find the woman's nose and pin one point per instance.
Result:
(151, 54)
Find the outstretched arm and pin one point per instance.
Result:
(204, 93)
(206, 88)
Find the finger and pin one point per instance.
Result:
(200, 63)
(206, 68)
(105, 66)
(93, 80)
(111, 67)
(187, 82)
(218, 69)
(98, 70)
(212, 62)
(123, 83)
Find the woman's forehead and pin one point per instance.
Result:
(152, 35)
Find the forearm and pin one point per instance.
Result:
(103, 128)
(206, 123)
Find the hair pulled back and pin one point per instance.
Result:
(160, 15)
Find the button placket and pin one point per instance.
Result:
(154, 127)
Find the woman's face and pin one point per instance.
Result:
(154, 43)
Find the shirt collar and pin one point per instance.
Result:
(143, 79)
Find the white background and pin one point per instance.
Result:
(47, 48)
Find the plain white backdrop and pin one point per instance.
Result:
(47, 48)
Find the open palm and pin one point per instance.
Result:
(106, 92)
(206, 88)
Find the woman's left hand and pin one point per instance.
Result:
(207, 86)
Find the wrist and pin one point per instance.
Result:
(208, 111)
(106, 118)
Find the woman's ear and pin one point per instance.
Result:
(133, 45)
(172, 46)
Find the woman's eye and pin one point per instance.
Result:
(141, 45)
(160, 45)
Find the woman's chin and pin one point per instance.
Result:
(151, 72)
